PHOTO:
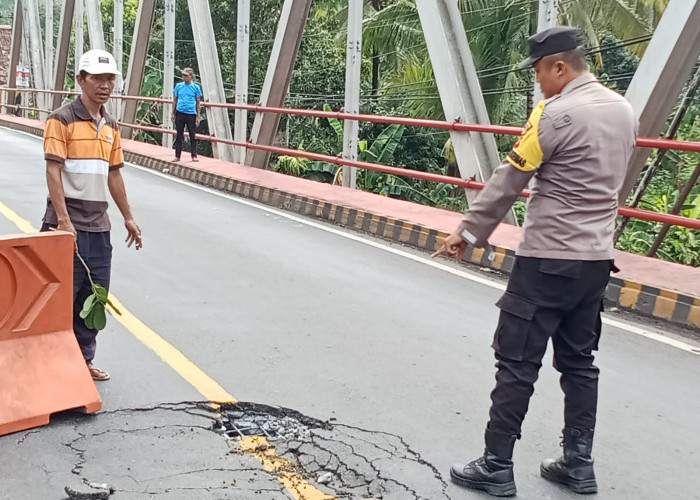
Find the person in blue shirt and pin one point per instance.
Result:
(187, 103)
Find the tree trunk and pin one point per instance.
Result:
(375, 73)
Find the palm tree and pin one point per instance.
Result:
(497, 31)
(625, 19)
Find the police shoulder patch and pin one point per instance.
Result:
(526, 154)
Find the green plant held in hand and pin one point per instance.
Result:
(93, 311)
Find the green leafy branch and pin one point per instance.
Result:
(93, 311)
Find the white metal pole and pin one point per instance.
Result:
(242, 58)
(36, 46)
(79, 17)
(210, 71)
(118, 52)
(277, 78)
(548, 17)
(460, 91)
(168, 69)
(48, 43)
(353, 73)
(15, 54)
(95, 30)
(26, 60)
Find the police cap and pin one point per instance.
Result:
(550, 41)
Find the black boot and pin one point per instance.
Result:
(575, 468)
(493, 472)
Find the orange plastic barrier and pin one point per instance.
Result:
(42, 370)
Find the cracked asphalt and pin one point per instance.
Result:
(389, 357)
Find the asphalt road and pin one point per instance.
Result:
(393, 352)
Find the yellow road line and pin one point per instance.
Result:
(23, 224)
(297, 486)
(286, 474)
(204, 384)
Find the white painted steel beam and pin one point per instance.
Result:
(137, 61)
(459, 88)
(547, 17)
(118, 49)
(118, 52)
(36, 47)
(240, 130)
(210, 70)
(660, 76)
(168, 69)
(279, 74)
(79, 20)
(353, 73)
(48, 41)
(15, 52)
(96, 32)
(63, 46)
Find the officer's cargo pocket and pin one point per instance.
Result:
(513, 326)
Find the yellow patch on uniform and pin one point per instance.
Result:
(527, 152)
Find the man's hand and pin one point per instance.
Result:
(197, 121)
(453, 245)
(172, 117)
(67, 226)
(134, 235)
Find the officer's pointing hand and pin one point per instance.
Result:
(453, 246)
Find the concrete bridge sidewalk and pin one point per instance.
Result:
(647, 286)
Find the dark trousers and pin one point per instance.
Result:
(182, 119)
(561, 299)
(96, 251)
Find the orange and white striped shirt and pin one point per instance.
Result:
(88, 151)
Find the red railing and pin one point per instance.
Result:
(458, 126)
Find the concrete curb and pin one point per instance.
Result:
(645, 300)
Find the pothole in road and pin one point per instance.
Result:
(251, 419)
(348, 461)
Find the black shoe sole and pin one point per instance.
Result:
(583, 487)
(496, 490)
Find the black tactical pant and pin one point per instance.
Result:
(182, 119)
(547, 298)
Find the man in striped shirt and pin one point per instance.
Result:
(82, 148)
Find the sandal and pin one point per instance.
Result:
(97, 374)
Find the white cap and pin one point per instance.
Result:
(98, 62)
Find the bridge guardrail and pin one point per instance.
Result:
(625, 211)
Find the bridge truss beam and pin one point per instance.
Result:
(67, 13)
(137, 61)
(660, 76)
(15, 51)
(240, 130)
(210, 70)
(459, 88)
(168, 69)
(278, 76)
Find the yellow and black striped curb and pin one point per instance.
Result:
(643, 299)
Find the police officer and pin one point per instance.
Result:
(576, 145)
